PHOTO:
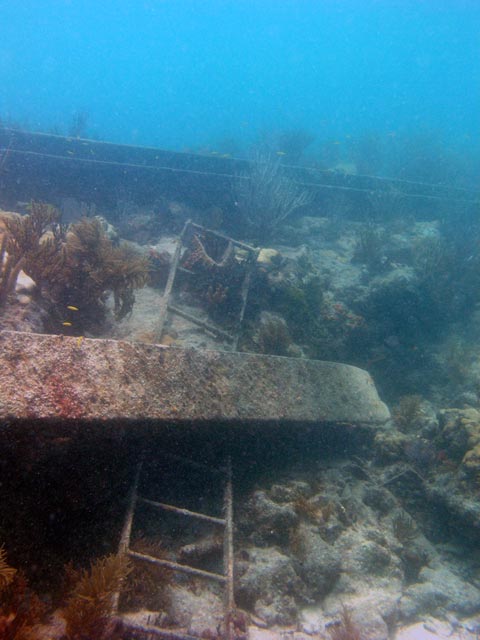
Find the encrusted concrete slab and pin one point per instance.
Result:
(51, 376)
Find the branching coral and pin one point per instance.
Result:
(408, 409)
(370, 247)
(346, 629)
(26, 245)
(266, 198)
(75, 267)
(20, 609)
(96, 266)
(88, 610)
(7, 573)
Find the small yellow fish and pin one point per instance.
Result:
(67, 324)
(72, 308)
(281, 153)
(79, 341)
(226, 155)
(336, 142)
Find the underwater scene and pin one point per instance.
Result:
(240, 320)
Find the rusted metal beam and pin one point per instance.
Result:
(183, 512)
(177, 567)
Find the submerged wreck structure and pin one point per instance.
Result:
(181, 460)
(143, 403)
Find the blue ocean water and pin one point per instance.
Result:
(188, 74)
(380, 518)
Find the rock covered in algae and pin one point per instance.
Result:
(52, 376)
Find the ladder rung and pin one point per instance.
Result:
(200, 323)
(193, 463)
(155, 631)
(184, 512)
(177, 567)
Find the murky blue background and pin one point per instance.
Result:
(187, 73)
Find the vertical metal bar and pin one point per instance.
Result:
(170, 280)
(244, 294)
(127, 527)
(228, 555)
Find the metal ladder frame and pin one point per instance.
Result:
(166, 306)
(228, 558)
